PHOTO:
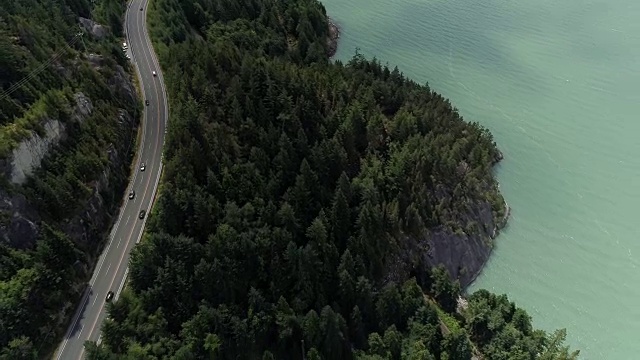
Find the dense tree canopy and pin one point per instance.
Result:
(43, 63)
(289, 185)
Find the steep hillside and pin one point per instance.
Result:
(68, 118)
(304, 204)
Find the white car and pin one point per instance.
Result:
(153, 73)
(142, 167)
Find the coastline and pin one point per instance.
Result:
(464, 256)
(496, 231)
(333, 37)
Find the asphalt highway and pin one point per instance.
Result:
(112, 268)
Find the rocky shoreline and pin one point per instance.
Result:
(332, 39)
(496, 231)
(463, 255)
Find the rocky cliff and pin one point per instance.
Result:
(334, 36)
(20, 218)
(19, 215)
(463, 253)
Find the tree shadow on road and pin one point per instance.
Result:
(77, 323)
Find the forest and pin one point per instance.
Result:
(292, 184)
(44, 64)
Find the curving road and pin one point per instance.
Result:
(112, 268)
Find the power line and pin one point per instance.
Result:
(39, 69)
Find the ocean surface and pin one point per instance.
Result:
(558, 84)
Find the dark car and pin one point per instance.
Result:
(132, 194)
(109, 296)
(146, 102)
(140, 9)
(142, 214)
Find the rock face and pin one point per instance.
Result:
(83, 108)
(96, 30)
(93, 219)
(332, 39)
(463, 255)
(19, 219)
(120, 82)
(28, 155)
(26, 158)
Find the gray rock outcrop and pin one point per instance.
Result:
(333, 37)
(96, 30)
(26, 158)
(462, 254)
(19, 219)
(18, 224)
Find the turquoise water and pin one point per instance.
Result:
(558, 84)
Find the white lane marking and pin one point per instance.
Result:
(113, 278)
(108, 268)
(119, 243)
(124, 278)
(153, 193)
(102, 257)
(163, 91)
(154, 59)
(80, 332)
(124, 253)
(85, 299)
(128, 218)
(94, 301)
(135, 175)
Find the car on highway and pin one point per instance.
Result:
(112, 264)
(146, 102)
